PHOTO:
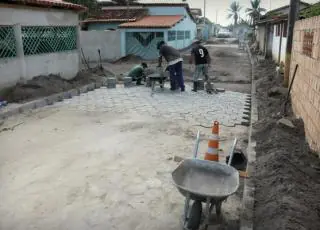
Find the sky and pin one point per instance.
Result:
(219, 7)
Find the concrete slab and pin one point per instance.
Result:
(101, 160)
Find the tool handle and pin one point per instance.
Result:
(232, 151)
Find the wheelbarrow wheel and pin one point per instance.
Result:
(195, 215)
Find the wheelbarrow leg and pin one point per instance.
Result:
(153, 84)
(186, 210)
(218, 209)
(209, 207)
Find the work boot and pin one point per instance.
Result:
(195, 86)
(139, 82)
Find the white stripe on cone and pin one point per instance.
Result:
(212, 151)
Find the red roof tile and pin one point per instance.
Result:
(51, 3)
(159, 21)
(118, 15)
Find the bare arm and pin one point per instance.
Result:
(160, 61)
(209, 59)
(191, 59)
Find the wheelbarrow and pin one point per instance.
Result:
(201, 181)
(159, 77)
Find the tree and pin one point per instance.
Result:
(124, 2)
(92, 5)
(255, 11)
(234, 11)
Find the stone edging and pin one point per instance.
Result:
(247, 213)
(49, 100)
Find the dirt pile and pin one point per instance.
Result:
(224, 53)
(216, 42)
(287, 173)
(41, 86)
(128, 59)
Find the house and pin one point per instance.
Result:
(111, 17)
(144, 24)
(196, 13)
(204, 28)
(241, 31)
(272, 31)
(38, 37)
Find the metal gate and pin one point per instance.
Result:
(143, 44)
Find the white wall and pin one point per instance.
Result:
(65, 63)
(26, 67)
(109, 43)
(261, 33)
(276, 47)
(36, 16)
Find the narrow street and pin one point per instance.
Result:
(103, 160)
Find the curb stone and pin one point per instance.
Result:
(50, 100)
(247, 213)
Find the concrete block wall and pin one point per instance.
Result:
(305, 93)
(25, 67)
(109, 43)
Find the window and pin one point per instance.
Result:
(285, 29)
(172, 35)
(307, 43)
(180, 35)
(187, 34)
(278, 30)
(7, 42)
(48, 39)
(159, 34)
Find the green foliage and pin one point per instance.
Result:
(255, 11)
(124, 2)
(234, 11)
(92, 5)
(312, 11)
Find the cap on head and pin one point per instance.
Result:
(160, 44)
(144, 65)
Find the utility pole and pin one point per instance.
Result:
(217, 16)
(293, 16)
(270, 4)
(204, 14)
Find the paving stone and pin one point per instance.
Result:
(200, 84)
(111, 83)
(127, 81)
(228, 108)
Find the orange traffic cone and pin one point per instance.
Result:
(213, 145)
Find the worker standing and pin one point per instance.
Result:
(174, 59)
(202, 60)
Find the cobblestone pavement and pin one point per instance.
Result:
(103, 160)
(199, 108)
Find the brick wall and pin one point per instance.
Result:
(306, 88)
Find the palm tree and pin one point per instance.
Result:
(255, 11)
(124, 2)
(234, 11)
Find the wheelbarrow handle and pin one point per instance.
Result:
(232, 151)
(196, 147)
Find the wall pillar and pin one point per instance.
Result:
(19, 49)
(79, 45)
(123, 43)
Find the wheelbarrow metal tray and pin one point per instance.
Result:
(205, 179)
